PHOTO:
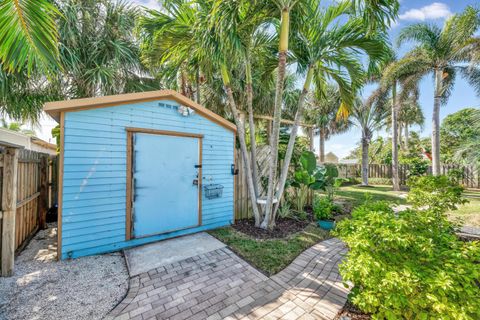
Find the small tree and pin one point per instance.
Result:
(368, 118)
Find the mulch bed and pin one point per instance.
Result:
(284, 227)
(351, 312)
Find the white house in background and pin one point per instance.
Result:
(30, 143)
(331, 158)
(348, 161)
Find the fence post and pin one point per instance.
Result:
(9, 206)
(43, 199)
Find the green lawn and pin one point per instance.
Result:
(469, 213)
(271, 255)
(356, 195)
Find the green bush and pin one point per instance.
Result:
(324, 208)
(411, 265)
(437, 193)
(416, 165)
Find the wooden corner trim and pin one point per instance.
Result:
(54, 108)
(164, 132)
(60, 185)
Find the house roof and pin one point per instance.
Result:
(55, 108)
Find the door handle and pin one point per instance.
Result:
(195, 182)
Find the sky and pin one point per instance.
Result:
(411, 11)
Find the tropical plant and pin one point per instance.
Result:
(445, 53)
(98, 55)
(99, 52)
(417, 165)
(321, 111)
(326, 49)
(458, 132)
(323, 208)
(410, 114)
(409, 265)
(28, 36)
(368, 117)
(435, 193)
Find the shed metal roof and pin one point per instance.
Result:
(55, 108)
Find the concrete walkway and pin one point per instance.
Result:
(220, 285)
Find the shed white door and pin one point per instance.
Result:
(165, 195)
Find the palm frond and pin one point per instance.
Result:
(28, 35)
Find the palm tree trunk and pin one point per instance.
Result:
(365, 145)
(251, 123)
(321, 145)
(406, 136)
(291, 140)
(400, 136)
(395, 179)
(243, 144)
(436, 123)
(197, 80)
(277, 115)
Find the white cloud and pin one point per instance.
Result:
(435, 10)
(152, 4)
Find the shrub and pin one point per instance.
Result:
(416, 165)
(437, 193)
(410, 265)
(324, 208)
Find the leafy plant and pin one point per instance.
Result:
(410, 265)
(285, 211)
(435, 193)
(416, 165)
(329, 180)
(323, 208)
(306, 177)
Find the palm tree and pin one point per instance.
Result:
(410, 114)
(99, 55)
(327, 49)
(368, 117)
(445, 53)
(322, 112)
(98, 50)
(28, 36)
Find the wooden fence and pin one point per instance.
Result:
(471, 175)
(27, 181)
(243, 208)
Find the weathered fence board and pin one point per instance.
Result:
(471, 175)
(27, 181)
(243, 208)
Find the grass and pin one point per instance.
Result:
(271, 255)
(469, 213)
(356, 194)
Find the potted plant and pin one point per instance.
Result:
(323, 209)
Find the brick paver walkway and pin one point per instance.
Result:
(220, 285)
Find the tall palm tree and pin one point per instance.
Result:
(98, 50)
(28, 35)
(327, 49)
(410, 114)
(445, 53)
(368, 117)
(322, 112)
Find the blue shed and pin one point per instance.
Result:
(138, 168)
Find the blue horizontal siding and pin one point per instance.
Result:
(94, 178)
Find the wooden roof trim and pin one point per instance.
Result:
(55, 108)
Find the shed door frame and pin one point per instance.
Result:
(130, 153)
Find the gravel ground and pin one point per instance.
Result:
(43, 288)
